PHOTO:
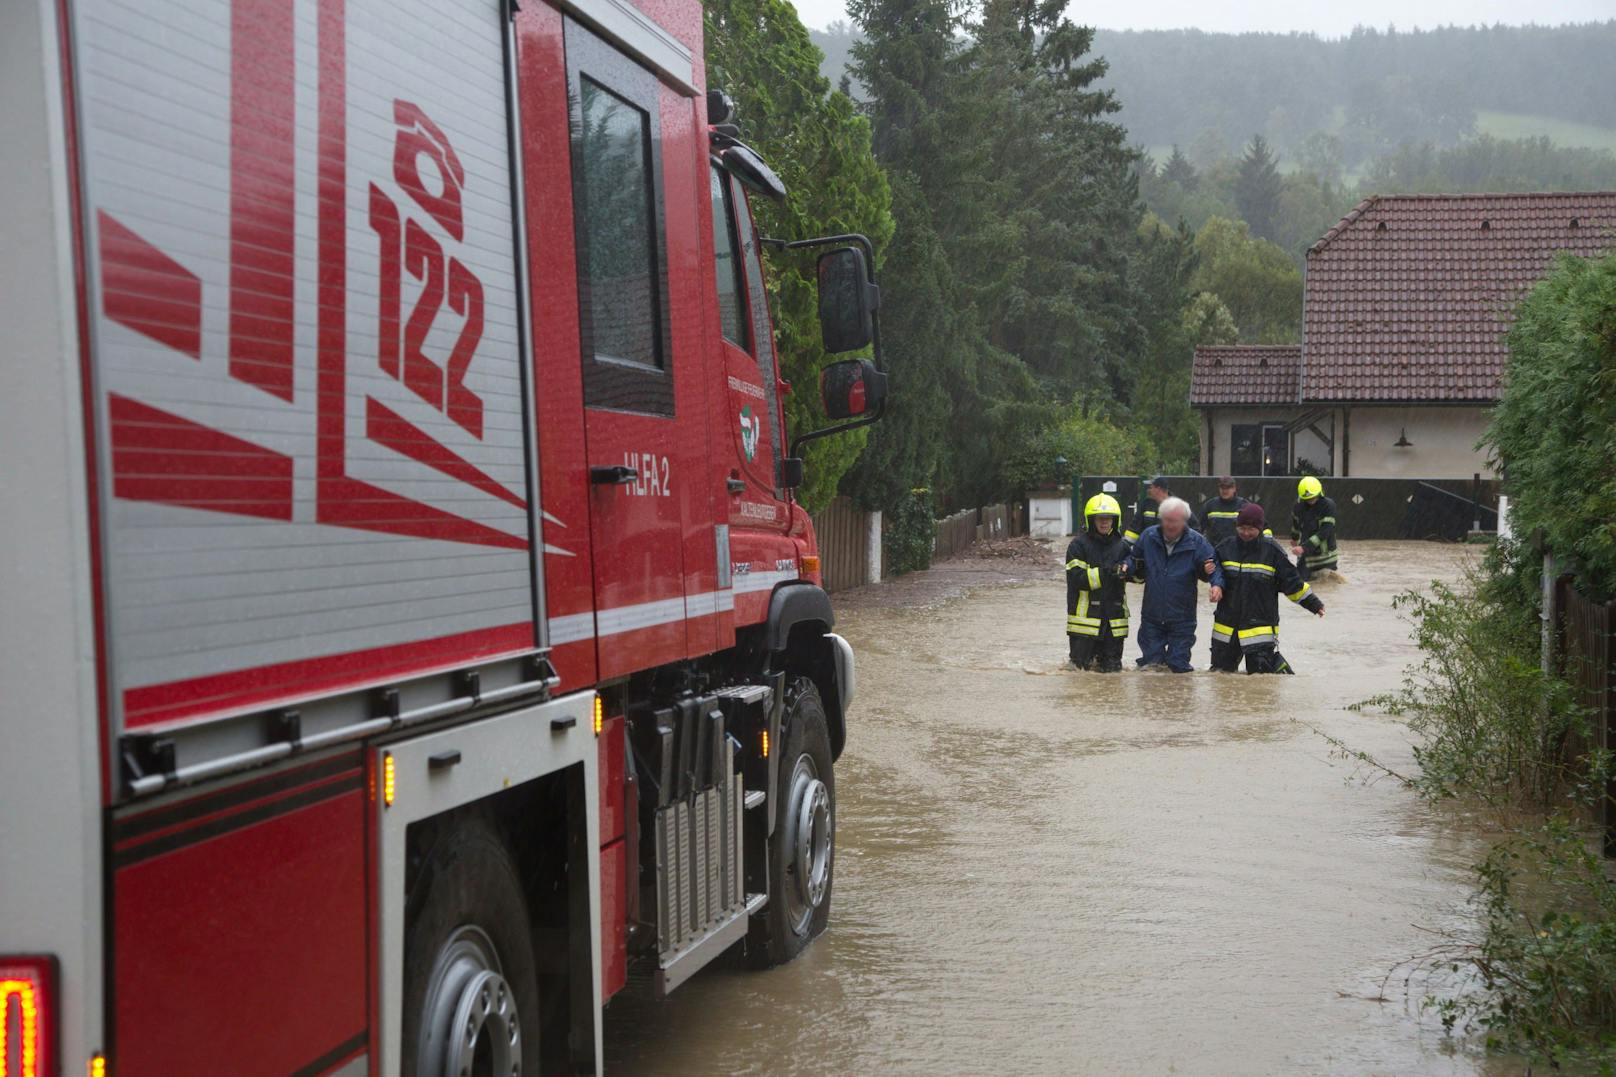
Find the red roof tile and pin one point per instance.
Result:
(1245, 374)
(1408, 298)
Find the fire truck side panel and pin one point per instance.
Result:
(547, 171)
(309, 385)
(614, 837)
(50, 776)
(241, 910)
(495, 755)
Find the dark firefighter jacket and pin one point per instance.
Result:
(1095, 605)
(1144, 516)
(1313, 528)
(1170, 590)
(1218, 516)
(1255, 574)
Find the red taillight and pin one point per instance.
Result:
(27, 1016)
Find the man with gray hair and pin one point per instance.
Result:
(1170, 558)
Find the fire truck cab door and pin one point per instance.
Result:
(638, 469)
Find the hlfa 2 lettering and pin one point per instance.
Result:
(651, 475)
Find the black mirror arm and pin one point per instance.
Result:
(824, 432)
(869, 278)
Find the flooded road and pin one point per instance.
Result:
(1041, 870)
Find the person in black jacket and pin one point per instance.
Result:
(1255, 573)
(1145, 514)
(1313, 529)
(1096, 605)
(1218, 513)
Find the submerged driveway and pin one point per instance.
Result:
(1040, 870)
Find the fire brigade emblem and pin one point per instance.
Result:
(751, 428)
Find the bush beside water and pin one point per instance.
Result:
(1492, 728)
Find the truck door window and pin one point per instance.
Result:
(762, 331)
(618, 224)
(732, 314)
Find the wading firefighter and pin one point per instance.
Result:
(1145, 514)
(1313, 529)
(1255, 573)
(1218, 513)
(1096, 605)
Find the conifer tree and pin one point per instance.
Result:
(1257, 189)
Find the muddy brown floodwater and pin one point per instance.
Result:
(1040, 870)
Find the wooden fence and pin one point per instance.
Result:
(843, 530)
(963, 529)
(1584, 629)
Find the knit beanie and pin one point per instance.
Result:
(1251, 515)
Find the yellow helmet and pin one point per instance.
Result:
(1101, 505)
(1309, 488)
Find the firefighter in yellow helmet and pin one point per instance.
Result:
(1313, 529)
(1096, 606)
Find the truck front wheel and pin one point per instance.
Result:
(802, 850)
(471, 991)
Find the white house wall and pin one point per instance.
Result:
(1443, 441)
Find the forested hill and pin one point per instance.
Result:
(1371, 91)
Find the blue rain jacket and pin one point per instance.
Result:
(1170, 579)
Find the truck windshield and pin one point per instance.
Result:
(762, 333)
(732, 314)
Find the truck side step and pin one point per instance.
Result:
(755, 798)
(677, 968)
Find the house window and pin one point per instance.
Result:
(1259, 449)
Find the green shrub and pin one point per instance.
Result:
(1554, 430)
(1545, 983)
(908, 533)
(1488, 722)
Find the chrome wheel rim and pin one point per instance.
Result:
(469, 1023)
(810, 832)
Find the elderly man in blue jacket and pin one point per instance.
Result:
(1169, 558)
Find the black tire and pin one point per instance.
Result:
(785, 929)
(469, 885)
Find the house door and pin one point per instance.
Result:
(1276, 449)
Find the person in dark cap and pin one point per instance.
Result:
(1255, 573)
(1146, 514)
(1218, 513)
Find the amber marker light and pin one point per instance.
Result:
(810, 563)
(600, 715)
(97, 1067)
(765, 744)
(25, 1016)
(389, 779)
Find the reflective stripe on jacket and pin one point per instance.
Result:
(1255, 574)
(1218, 515)
(1144, 516)
(1313, 528)
(1096, 604)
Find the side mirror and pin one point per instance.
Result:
(851, 388)
(847, 300)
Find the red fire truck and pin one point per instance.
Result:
(407, 622)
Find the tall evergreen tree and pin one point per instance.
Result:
(1257, 189)
(905, 60)
(1179, 170)
(759, 51)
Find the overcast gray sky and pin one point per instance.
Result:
(1330, 18)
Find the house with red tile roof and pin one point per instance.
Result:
(1405, 309)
